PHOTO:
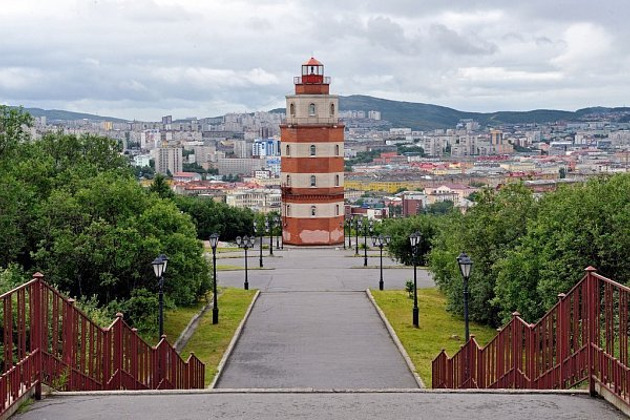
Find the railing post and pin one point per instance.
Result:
(561, 336)
(69, 343)
(118, 351)
(591, 300)
(515, 347)
(134, 358)
(531, 357)
(37, 331)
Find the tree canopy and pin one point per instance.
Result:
(71, 208)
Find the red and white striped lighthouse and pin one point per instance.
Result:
(312, 162)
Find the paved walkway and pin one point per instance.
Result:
(314, 327)
(312, 406)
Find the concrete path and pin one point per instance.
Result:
(314, 327)
(323, 406)
(325, 270)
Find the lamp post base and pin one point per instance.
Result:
(215, 315)
(380, 285)
(246, 286)
(415, 318)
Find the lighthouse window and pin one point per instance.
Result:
(288, 153)
(313, 210)
(313, 181)
(288, 212)
(292, 110)
(337, 210)
(336, 150)
(311, 110)
(312, 150)
(336, 180)
(288, 180)
(332, 110)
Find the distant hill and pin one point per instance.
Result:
(420, 116)
(60, 115)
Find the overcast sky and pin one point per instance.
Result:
(146, 58)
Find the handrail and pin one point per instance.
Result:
(584, 336)
(48, 340)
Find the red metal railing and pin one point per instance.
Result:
(583, 337)
(47, 340)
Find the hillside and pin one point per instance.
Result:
(420, 116)
(60, 115)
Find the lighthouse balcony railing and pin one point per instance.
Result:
(311, 79)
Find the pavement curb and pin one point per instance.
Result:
(193, 322)
(235, 337)
(396, 340)
(207, 391)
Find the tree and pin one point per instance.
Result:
(487, 232)
(399, 231)
(161, 188)
(441, 207)
(12, 123)
(210, 217)
(577, 226)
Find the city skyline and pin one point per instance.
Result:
(144, 59)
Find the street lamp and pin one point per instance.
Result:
(367, 228)
(358, 223)
(214, 240)
(159, 268)
(381, 241)
(414, 239)
(269, 227)
(465, 266)
(256, 230)
(245, 242)
(277, 220)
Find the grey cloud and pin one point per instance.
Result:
(452, 41)
(384, 32)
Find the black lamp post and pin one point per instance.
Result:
(159, 268)
(269, 227)
(277, 220)
(358, 223)
(214, 241)
(414, 239)
(260, 259)
(245, 242)
(465, 266)
(381, 241)
(367, 229)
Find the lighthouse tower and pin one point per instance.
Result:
(312, 162)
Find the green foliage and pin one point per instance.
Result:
(210, 216)
(525, 252)
(399, 229)
(12, 133)
(487, 232)
(364, 157)
(441, 207)
(409, 289)
(575, 227)
(71, 208)
(161, 188)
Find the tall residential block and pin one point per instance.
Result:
(312, 140)
(167, 159)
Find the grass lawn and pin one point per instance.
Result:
(437, 326)
(210, 341)
(175, 320)
(228, 267)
